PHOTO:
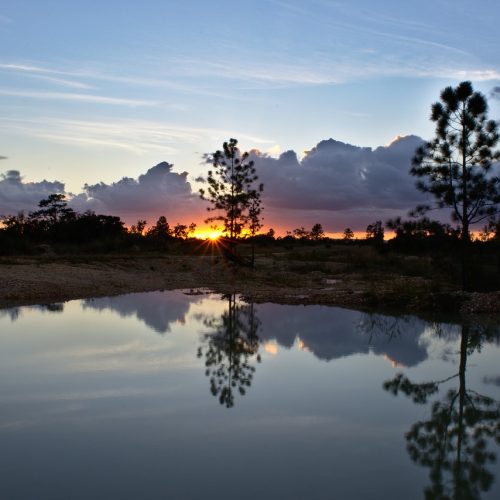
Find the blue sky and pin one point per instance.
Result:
(94, 91)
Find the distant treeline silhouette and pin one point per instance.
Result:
(55, 226)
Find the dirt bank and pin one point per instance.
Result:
(55, 279)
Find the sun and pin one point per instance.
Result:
(208, 234)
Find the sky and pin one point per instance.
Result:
(94, 92)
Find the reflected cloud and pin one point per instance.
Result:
(333, 333)
(158, 310)
(492, 380)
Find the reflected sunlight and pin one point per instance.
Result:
(271, 348)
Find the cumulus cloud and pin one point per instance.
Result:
(17, 195)
(339, 181)
(159, 191)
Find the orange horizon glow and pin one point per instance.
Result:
(207, 234)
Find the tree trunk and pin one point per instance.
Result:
(465, 257)
(465, 209)
(457, 469)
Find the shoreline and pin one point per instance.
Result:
(50, 279)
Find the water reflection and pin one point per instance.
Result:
(94, 388)
(158, 310)
(230, 349)
(455, 442)
(329, 333)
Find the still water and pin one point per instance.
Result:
(168, 395)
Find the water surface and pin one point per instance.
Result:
(170, 395)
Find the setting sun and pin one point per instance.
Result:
(208, 234)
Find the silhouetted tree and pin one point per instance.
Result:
(348, 234)
(55, 223)
(17, 225)
(231, 188)
(317, 233)
(231, 344)
(139, 227)
(254, 220)
(375, 232)
(455, 166)
(161, 230)
(300, 233)
(180, 231)
(421, 234)
(53, 209)
(90, 226)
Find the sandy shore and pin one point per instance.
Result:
(54, 279)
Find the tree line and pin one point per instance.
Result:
(56, 224)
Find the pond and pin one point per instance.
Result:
(180, 395)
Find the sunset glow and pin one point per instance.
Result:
(208, 234)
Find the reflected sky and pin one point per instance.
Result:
(110, 398)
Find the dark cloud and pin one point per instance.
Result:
(157, 192)
(16, 195)
(3, 157)
(334, 177)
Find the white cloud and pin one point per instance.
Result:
(66, 96)
(274, 150)
(95, 75)
(136, 136)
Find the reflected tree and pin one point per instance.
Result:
(230, 347)
(14, 313)
(373, 324)
(454, 442)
